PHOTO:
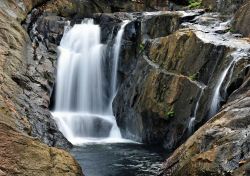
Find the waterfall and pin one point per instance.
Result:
(217, 98)
(194, 114)
(191, 126)
(116, 53)
(116, 49)
(82, 110)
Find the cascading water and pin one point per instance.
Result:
(116, 53)
(82, 110)
(193, 117)
(217, 98)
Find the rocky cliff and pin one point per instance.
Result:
(26, 80)
(221, 146)
(29, 34)
(185, 66)
(179, 72)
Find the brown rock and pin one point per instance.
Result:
(225, 7)
(218, 147)
(160, 25)
(24, 103)
(23, 155)
(241, 20)
(159, 95)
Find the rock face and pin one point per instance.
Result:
(27, 75)
(78, 9)
(226, 7)
(168, 23)
(242, 20)
(171, 66)
(220, 146)
(26, 81)
(172, 76)
(23, 155)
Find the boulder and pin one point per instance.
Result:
(24, 155)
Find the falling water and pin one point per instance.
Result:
(193, 117)
(116, 50)
(191, 126)
(82, 112)
(217, 98)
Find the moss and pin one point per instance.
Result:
(194, 4)
(170, 113)
(142, 47)
(232, 30)
(193, 77)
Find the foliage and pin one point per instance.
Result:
(142, 47)
(170, 113)
(232, 30)
(193, 77)
(194, 4)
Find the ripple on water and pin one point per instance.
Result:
(119, 159)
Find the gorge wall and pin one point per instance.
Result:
(180, 65)
(171, 63)
(29, 35)
(25, 81)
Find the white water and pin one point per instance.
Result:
(116, 54)
(217, 98)
(82, 110)
(193, 117)
(191, 126)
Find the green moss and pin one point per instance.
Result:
(232, 30)
(194, 4)
(170, 113)
(193, 77)
(141, 47)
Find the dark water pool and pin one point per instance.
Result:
(119, 159)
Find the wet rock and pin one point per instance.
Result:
(151, 109)
(129, 49)
(220, 146)
(144, 117)
(224, 7)
(193, 57)
(239, 75)
(173, 53)
(160, 24)
(155, 25)
(241, 21)
(109, 24)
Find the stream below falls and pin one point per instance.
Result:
(120, 159)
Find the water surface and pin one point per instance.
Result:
(119, 159)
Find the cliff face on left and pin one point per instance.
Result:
(26, 80)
